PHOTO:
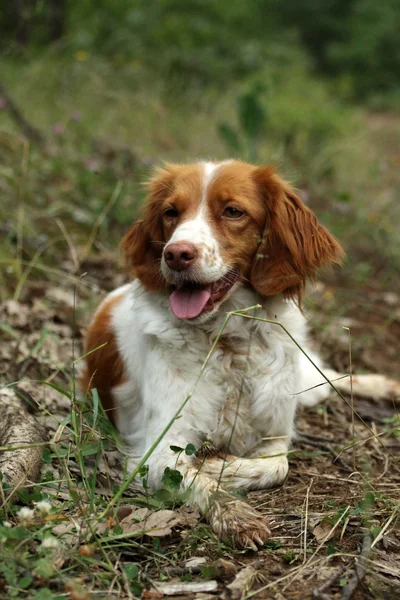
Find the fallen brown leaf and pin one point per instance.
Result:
(323, 532)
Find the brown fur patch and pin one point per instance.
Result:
(294, 245)
(172, 187)
(104, 366)
(275, 245)
(233, 185)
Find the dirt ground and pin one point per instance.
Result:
(335, 521)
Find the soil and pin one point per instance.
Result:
(335, 501)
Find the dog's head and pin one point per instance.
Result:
(209, 227)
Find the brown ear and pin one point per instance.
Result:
(294, 244)
(144, 242)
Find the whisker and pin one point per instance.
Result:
(243, 278)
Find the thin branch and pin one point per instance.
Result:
(358, 574)
(29, 131)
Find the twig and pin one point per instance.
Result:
(358, 574)
(306, 521)
(326, 537)
(187, 588)
(70, 244)
(319, 593)
(29, 131)
(385, 527)
(182, 571)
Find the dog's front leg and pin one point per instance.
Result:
(164, 394)
(265, 464)
(229, 517)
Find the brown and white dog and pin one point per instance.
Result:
(214, 238)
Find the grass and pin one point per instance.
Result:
(65, 205)
(104, 129)
(74, 535)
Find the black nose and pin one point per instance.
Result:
(180, 256)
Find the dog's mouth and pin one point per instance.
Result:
(194, 299)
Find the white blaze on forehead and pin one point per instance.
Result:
(210, 169)
(198, 231)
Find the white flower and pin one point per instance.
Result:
(25, 514)
(43, 507)
(7, 524)
(50, 542)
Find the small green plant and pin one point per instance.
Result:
(131, 572)
(28, 549)
(290, 557)
(252, 116)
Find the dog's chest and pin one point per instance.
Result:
(234, 368)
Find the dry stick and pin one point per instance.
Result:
(352, 400)
(316, 443)
(306, 521)
(390, 570)
(385, 527)
(127, 584)
(245, 371)
(296, 570)
(30, 132)
(365, 440)
(32, 264)
(59, 273)
(20, 206)
(359, 572)
(319, 385)
(72, 250)
(318, 593)
(327, 537)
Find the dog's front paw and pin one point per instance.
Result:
(236, 520)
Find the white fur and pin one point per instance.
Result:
(245, 400)
(245, 395)
(197, 231)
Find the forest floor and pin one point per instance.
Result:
(334, 522)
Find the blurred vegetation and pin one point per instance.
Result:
(355, 42)
(111, 88)
(93, 94)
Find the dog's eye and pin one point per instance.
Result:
(171, 213)
(233, 213)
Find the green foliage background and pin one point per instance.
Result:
(202, 41)
(116, 86)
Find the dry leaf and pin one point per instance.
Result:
(188, 516)
(323, 532)
(143, 521)
(244, 582)
(155, 524)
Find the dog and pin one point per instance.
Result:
(220, 260)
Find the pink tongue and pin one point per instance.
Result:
(187, 303)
